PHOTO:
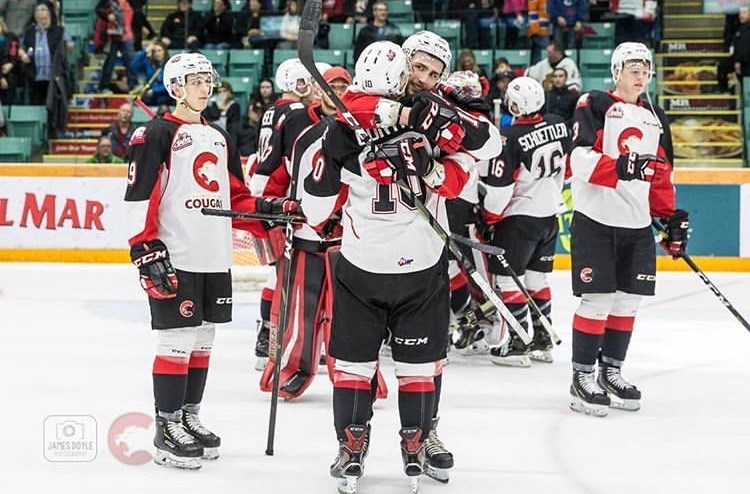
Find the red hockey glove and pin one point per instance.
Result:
(158, 277)
(677, 226)
(634, 166)
(434, 117)
(277, 205)
(379, 169)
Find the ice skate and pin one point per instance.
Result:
(348, 466)
(295, 382)
(512, 353)
(438, 460)
(586, 396)
(175, 447)
(210, 441)
(623, 395)
(413, 455)
(261, 345)
(541, 346)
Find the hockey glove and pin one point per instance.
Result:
(412, 156)
(677, 226)
(467, 103)
(277, 205)
(434, 117)
(634, 166)
(158, 277)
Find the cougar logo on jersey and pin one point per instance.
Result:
(182, 141)
(186, 308)
(205, 169)
(204, 202)
(587, 275)
(628, 139)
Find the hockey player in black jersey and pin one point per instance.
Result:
(179, 164)
(621, 166)
(524, 194)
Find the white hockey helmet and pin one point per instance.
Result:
(287, 75)
(630, 51)
(432, 44)
(465, 83)
(524, 96)
(179, 66)
(381, 69)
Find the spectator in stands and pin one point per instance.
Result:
(17, 14)
(479, 18)
(247, 26)
(140, 26)
(289, 26)
(224, 111)
(120, 131)
(9, 64)
(514, 20)
(542, 71)
(262, 99)
(634, 20)
(559, 100)
(497, 94)
(379, 28)
(334, 10)
(566, 17)
(741, 47)
(181, 28)
(43, 53)
(147, 68)
(501, 65)
(357, 11)
(538, 29)
(104, 152)
(216, 31)
(468, 61)
(247, 136)
(119, 17)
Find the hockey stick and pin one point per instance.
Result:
(499, 254)
(308, 26)
(689, 261)
(244, 215)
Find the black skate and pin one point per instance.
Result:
(513, 353)
(469, 339)
(624, 396)
(261, 345)
(349, 465)
(175, 447)
(438, 460)
(205, 437)
(294, 383)
(586, 396)
(413, 454)
(541, 346)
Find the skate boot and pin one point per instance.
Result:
(413, 454)
(175, 447)
(541, 346)
(586, 396)
(205, 437)
(261, 345)
(624, 396)
(349, 465)
(512, 353)
(295, 382)
(438, 460)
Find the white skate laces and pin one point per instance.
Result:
(614, 378)
(178, 432)
(433, 445)
(588, 383)
(195, 424)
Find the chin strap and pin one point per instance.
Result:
(190, 108)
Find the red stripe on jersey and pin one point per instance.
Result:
(350, 381)
(151, 228)
(513, 297)
(267, 294)
(170, 365)
(491, 218)
(620, 323)
(458, 281)
(455, 179)
(661, 196)
(604, 172)
(241, 200)
(199, 359)
(543, 294)
(416, 384)
(588, 326)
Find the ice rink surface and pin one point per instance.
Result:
(76, 341)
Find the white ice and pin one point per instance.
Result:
(76, 341)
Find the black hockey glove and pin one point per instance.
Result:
(410, 156)
(277, 205)
(677, 226)
(634, 166)
(434, 117)
(158, 277)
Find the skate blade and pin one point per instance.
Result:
(541, 356)
(439, 474)
(210, 453)
(347, 484)
(414, 484)
(477, 348)
(167, 459)
(512, 361)
(627, 405)
(578, 405)
(260, 363)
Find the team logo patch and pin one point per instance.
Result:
(628, 139)
(583, 101)
(615, 112)
(390, 55)
(587, 275)
(186, 308)
(138, 136)
(205, 171)
(182, 141)
(404, 261)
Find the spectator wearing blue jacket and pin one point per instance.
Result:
(144, 68)
(566, 18)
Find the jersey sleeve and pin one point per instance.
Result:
(662, 193)
(147, 159)
(500, 181)
(457, 168)
(271, 177)
(587, 161)
(322, 192)
(482, 140)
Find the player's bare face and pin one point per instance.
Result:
(198, 88)
(425, 73)
(633, 80)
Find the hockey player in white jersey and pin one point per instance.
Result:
(622, 179)
(179, 164)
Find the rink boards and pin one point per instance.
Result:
(75, 213)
